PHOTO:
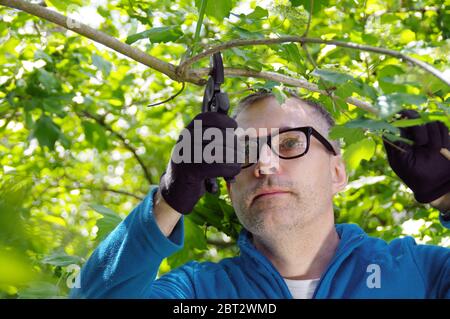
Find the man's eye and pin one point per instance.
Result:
(290, 143)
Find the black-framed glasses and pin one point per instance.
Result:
(286, 144)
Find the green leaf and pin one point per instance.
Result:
(61, 259)
(258, 14)
(345, 90)
(389, 79)
(332, 76)
(317, 5)
(268, 85)
(55, 104)
(42, 83)
(358, 151)
(102, 64)
(409, 122)
(392, 103)
(106, 224)
(407, 36)
(66, 5)
(279, 95)
(292, 54)
(46, 132)
(96, 135)
(246, 34)
(350, 135)
(157, 35)
(194, 241)
(39, 54)
(218, 9)
(373, 125)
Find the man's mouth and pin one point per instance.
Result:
(269, 194)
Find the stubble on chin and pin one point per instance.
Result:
(271, 216)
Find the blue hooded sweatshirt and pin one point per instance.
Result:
(126, 263)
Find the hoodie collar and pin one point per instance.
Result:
(348, 233)
(351, 236)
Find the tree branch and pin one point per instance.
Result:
(124, 141)
(95, 35)
(247, 42)
(286, 80)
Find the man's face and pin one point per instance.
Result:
(303, 186)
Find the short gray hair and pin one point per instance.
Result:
(317, 108)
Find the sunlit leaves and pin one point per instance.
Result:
(356, 152)
(15, 268)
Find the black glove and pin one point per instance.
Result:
(422, 167)
(183, 184)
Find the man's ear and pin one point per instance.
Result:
(339, 177)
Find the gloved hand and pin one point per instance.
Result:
(422, 167)
(183, 183)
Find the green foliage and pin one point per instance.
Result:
(157, 35)
(76, 136)
(218, 9)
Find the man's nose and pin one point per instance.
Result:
(268, 162)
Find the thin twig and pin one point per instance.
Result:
(127, 145)
(103, 188)
(393, 145)
(111, 190)
(170, 98)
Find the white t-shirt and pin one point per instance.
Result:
(302, 289)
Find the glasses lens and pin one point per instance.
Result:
(290, 144)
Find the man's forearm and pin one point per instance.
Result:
(127, 261)
(166, 217)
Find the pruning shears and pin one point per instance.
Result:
(214, 100)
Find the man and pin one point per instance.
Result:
(291, 247)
